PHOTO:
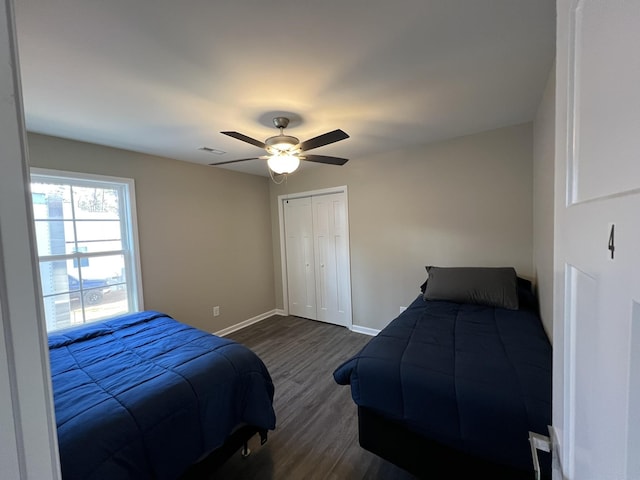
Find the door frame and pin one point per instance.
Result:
(283, 258)
(29, 437)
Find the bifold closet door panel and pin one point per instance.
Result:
(333, 303)
(300, 257)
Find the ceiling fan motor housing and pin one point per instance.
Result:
(281, 144)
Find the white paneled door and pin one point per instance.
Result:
(317, 257)
(597, 311)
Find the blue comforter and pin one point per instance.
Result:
(470, 377)
(144, 396)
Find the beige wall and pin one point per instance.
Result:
(206, 236)
(543, 185)
(205, 233)
(462, 202)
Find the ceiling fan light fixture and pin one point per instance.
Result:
(282, 143)
(283, 163)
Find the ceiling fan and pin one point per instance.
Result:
(285, 152)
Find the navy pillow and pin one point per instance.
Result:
(491, 286)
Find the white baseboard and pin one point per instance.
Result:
(365, 330)
(277, 311)
(246, 323)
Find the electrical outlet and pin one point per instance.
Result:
(402, 309)
(216, 311)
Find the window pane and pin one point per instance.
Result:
(88, 230)
(97, 247)
(104, 288)
(109, 269)
(54, 278)
(51, 200)
(54, 237)
(90, 202)
(65, 310)
(58, 312)
(111, 304)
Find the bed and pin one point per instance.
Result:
(144, 396)
(457, 381)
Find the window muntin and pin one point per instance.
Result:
(87, 247)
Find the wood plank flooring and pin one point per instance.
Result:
(316, 435)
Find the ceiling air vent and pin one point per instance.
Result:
(215, 151)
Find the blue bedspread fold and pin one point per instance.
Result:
(144, 396)
(471, 377)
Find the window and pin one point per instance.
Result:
(87, 246)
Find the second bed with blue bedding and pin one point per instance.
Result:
(474, 378)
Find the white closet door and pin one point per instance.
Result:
(333, 295)
(298, 221)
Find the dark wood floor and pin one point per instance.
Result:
(316, 435)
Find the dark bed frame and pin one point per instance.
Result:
(425, 458)
(238, 441)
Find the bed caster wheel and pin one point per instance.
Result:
(245, 452)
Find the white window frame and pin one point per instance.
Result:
(128, 214)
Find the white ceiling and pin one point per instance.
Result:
(165, 77)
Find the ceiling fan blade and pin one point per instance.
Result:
(234, 161)
(325, 159)
(244, 138)
(324, 139)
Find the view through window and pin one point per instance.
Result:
(85, 235)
